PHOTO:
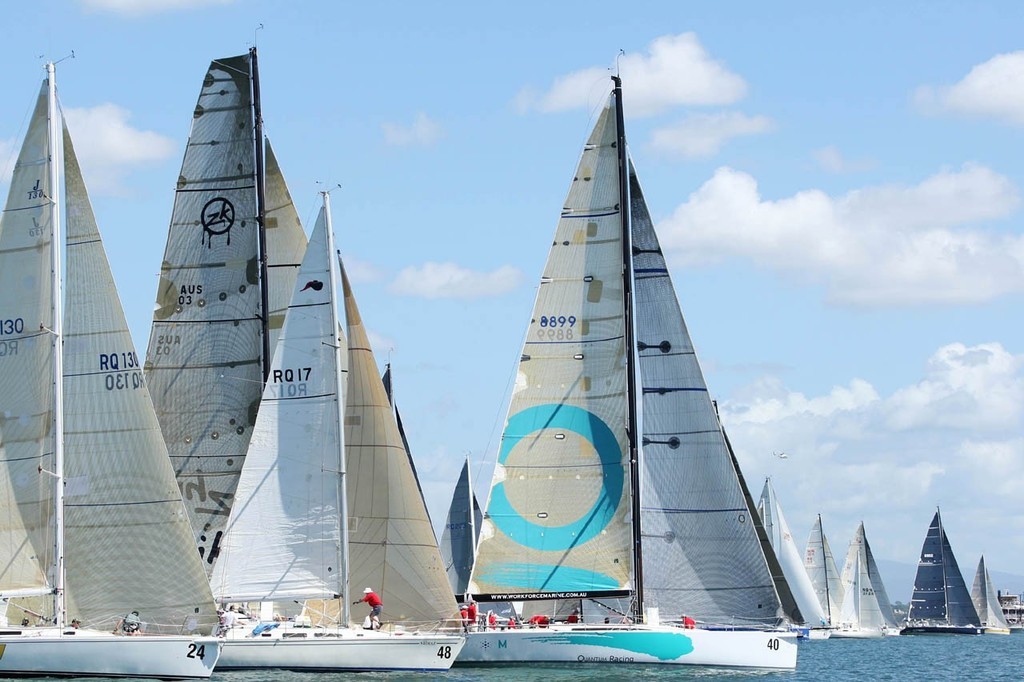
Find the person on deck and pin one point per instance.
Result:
(376, 606)
(464, 617)
(689, 623)
(574, 617)
(492, 620)
(471, 613)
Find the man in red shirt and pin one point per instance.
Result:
(471, 614)
(376, 606)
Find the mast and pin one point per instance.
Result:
(631, 394)
(339, 387)
(56, 239)
(261, 213)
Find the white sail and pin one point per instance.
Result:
(392, 548)
(823, 572)
(203, 365)
(557, 518)
(789, 557)
(850, 613)
(129, 542)
(26, 356)
(701, 552)
(286, 244)
(458, 540)
(284, 537)
(986, 599)
(872, 610)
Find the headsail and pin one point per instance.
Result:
(702, 556)
(792, 564)
(461, 529)
(129, 545)
(823, 572)
(284, 537)
(204, 362)
(557, 516)
(870, 609)
(391, 543)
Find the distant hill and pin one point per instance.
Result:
(899, 579)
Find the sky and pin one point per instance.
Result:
(837, 189)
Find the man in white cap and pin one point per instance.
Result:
(376, 606)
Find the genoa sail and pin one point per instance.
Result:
(702, 555)
(392, 547)
(556, 515)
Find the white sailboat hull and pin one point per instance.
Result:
(338, 649)
(858, 633)
(87, 653)
(632, 644)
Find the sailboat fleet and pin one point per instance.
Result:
(617, 513)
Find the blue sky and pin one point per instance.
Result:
(838, 190)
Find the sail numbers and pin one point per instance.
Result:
(556, 327)
(116, 379)
(290, 382)
(14, 326)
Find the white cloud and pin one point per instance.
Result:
(141, 7)
(107, 146)
(993, 89)
(448, 280)
(362, 272)
(884, 245)
(422, 133)
(951, 438)
(677, 70)
(703, 135)
(381, 345)
(831, 160)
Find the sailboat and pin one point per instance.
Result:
(866, 612)
(941, 603)
(288, 537)
(566, 518)
(93, 520)
(821, 569)
(461, 530)
(792, 565)
(986, 602)
(233, 249)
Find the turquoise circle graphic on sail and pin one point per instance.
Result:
(593, 520)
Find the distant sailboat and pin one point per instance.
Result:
(866, 611)
(986, 602)
(792, 564)
(824, 575)
(92, 520)
(461, 530)
(571, 515)
(941, 603)
(288, 538)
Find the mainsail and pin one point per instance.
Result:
(284, 539)
(986, 599)
(785, 549)
(558, 513)
(391, 543)
(461, 529)
(204, 362)
(823, 572)
(940, 593)
(701, 551)
(869, 607)
(26, 357)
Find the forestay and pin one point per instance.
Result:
(701, 552)
(284, 538)
(557, 517)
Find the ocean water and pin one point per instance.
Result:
(906, 659)
(903, 659)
